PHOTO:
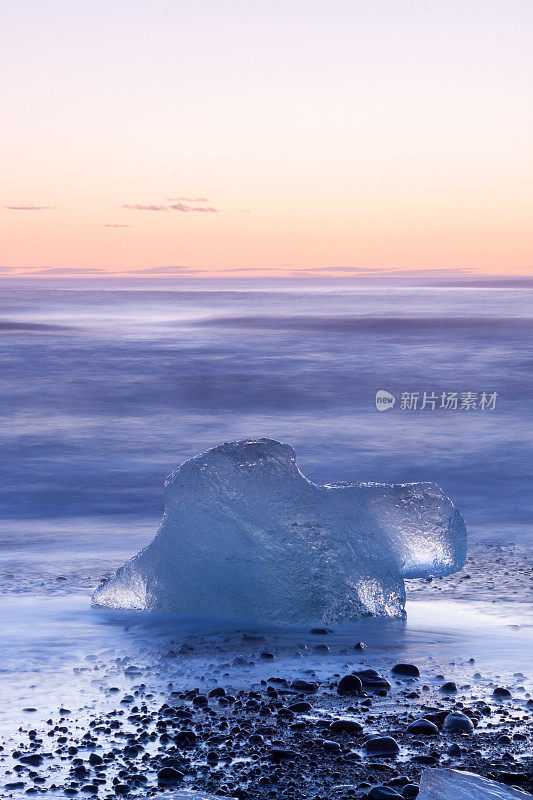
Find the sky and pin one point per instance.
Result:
(242, 137)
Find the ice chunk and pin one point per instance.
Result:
(443, 784)
(245, 535)
(192, 794)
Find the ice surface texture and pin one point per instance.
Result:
(443, 784)
(245, 535)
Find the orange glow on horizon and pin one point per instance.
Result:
(215, 137)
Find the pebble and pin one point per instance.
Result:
(373, 680)
(382, 793)
(169, 775)
(305, 686)
(301, 707)
(454, 750)
(423, 727)
(500, 693)
(449, 687)
(345, 726)
(279, 754)
(331, 746)
(456, 722)
(406, 670)
(349, 684)
(381, 746)
(253, 745)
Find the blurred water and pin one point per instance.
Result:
(106, 390)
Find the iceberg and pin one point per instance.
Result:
(245, 535)
(442, 784)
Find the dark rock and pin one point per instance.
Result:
(410, 790)
(285, 712)
(437, 717)
(382, 746)
(330, 746)
(218, 691)
(345, 726)
(169, 775)
(456, 722)
(372, 680)
(427, 761)
(304, 686)
(81, 771)
(95, 759)
(382, 793)
(301, 707)
(278, 754)
(500, 692)
(454, 750)
(406, 670)
(185, 737)
(512, 778)
(320, 631)
(504, 739)
(34, 759)
(349, 684)
(449, 687)
(200, 700)
(423, 727)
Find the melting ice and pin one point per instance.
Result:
(443, 784)
(246, 535)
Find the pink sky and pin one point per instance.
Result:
(285, 135)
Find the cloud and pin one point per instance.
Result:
(166, 271)
(30, 208)
(70, 271)
(255, 269)
(201, 209)
(112, 225)
(357, 270)
(385, 271)
(183, 207)
(138, 207)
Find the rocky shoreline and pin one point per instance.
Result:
(361, 733)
